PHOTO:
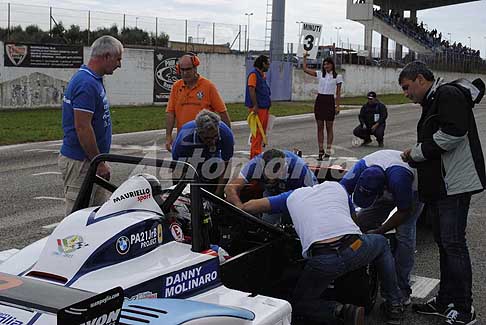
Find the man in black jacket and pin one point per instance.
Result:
(450, 167)
(372, 117)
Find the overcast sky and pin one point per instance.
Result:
(462, 21)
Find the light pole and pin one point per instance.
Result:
(337, 37)
(298, 35)
(248, 42)
(469, 37)
(484, 47)
(197, 33)
(136, 22)
(450, 39)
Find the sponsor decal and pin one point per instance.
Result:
(9, 319)
(122, 245)
(200, 95)
(104, 300)
(105, 319)
(140, 240)
(69, 245)
(142, 295)
(191, 279)
(160, 234)
(140, 195)
(176, 231)
(7, 282)
(16, 53)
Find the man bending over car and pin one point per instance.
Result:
(333, 245)
(276, 171)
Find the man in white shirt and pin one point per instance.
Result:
(333, 246)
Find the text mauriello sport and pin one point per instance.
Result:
(128, 195)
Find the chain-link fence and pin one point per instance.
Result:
(47, 19)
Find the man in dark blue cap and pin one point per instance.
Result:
(372, 117)
(378, 183)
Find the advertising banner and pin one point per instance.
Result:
(165, 74)
(43, 56)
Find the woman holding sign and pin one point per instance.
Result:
(326, 106)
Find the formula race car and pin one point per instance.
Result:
(139, 259)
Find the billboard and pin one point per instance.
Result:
(165, 74)
(43, 56)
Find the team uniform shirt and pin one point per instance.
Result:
(85, 92)
(252, 79)
(187, 142)
(320, 212)
(328, 84)
(400, 181)
(186, 102)
(298, 173)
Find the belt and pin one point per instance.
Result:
(353, 241)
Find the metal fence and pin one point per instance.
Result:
(347, 53)
(180, 30)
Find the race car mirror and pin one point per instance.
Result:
(309, 40)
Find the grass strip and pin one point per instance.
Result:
(32, 125)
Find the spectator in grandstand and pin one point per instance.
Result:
(372, 120)
(326, 106)
(258, 101)
(206, 140)
(450, 166)
(189, 96)
(86, 120)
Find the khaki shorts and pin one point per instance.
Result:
(73, 174)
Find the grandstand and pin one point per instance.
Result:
(386, 17)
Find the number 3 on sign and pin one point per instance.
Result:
(308, 43)
(311, 33)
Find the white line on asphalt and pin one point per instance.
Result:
(54, 225)
(422, 286)
(49, 198)
(42, 150)
(46, 173)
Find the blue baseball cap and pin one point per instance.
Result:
(370, 186)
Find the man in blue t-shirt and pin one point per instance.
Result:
(86, 120)
(333, 245)
(379, 183)
(206, 143)
(277, 171)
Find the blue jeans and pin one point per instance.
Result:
(449, 221)
(321, 270)
(404, 252)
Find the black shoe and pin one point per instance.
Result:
(381, 144)
(431, 307)
(366, 142)
(352, 315)
(393, 313)
(455, 317)
(319, 156)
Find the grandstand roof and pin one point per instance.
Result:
(418, 4)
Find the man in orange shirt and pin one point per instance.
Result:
(189, 96)
(257, 99)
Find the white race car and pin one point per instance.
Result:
(164, 266)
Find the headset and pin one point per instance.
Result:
(194, 59)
